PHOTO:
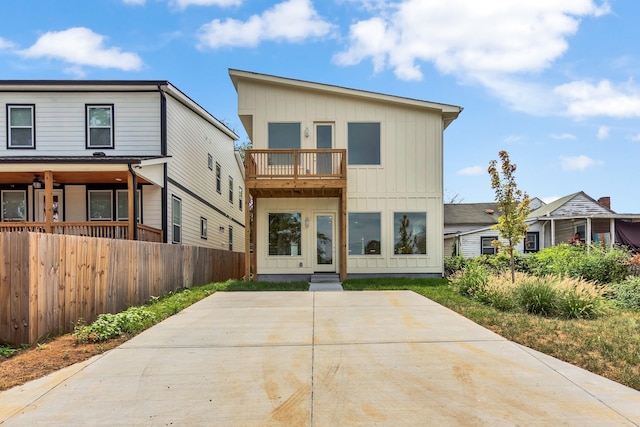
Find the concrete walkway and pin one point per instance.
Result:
(320, 359)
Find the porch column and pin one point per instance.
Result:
(612, 230)
(343, 235)
(553, 232)
(48, 201)
(588, 233)
(131, 210)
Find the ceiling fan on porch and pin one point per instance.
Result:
(37, 182)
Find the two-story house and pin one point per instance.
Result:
(118, 159)
(341, 180)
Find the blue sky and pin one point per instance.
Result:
(552, 82)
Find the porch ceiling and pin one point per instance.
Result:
(295, 192)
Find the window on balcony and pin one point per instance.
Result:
(176, 219)
(364, 233)
(285, 230)
(14, 204)
(410, 233)
(283, 136)
(363, 146)
(99, 126)
(20, 126)
(100, 205)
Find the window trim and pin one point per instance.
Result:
(32, 107)
(230, 189)
(350, 150)
(88, 128)
(174, 199)
(380, 246)
(240, 198)
(218, 178)
(482, 239)
(536, 248)
(126, 191)
(393, 219)
(203, 227)
(230, 237)
(268, 232)
(26, 208)
(210, 161)
(89, 192)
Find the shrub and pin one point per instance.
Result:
(537, 295)
(580, 299)
(471, 280)
(453, 264)
(107, 325)
(627, 293)
(499, 291)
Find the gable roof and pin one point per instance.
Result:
(449, 112)
(552, 208)
(471, 213)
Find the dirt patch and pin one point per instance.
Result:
(34, 363)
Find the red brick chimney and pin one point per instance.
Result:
(605, 201)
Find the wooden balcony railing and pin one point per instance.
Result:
(106, 229)
(294, 164)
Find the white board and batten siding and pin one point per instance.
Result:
(190, 139)
(60, 119)
(408, 178)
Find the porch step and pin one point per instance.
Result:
(325, 282)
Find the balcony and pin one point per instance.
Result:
(105, 229)
(296, 173)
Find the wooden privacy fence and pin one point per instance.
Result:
(50, 281)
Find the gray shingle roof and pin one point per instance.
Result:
(471, 213)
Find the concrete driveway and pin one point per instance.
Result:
(320, 359)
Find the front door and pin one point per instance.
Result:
(58, 205)
(325, 247)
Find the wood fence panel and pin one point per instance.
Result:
(48, 282)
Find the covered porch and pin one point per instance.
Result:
(598, 229)
(96, 196)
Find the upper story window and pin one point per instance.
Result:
(20, 126)
(240, 198)
(363, 145)
(230, 190)
(99, 126)
(210, 161)
(218, 178)
(283, 136)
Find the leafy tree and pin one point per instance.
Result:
(513, 204)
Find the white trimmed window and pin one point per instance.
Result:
(218, 178)
(203, 228)
(100, 126)
(486, 247)
(230, 238)
(176, 219)
(240, 199)
(364, 233)
(410, 233)
(20, 126)
(230, 190)
(363, 143)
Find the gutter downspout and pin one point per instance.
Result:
(163, 151)
(135, 202)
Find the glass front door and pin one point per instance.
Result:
(325, 253)
(58, 205)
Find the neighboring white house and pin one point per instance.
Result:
(103, 150)
(342, 180)
(549, 224)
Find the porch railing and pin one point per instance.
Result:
(106, 229)
(318, 164)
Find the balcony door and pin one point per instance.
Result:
(325, 246)
(58, 205)
(324, 140)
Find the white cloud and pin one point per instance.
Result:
(578, 163)
(603, 132)
(584, 99)
(183, 4)
(5, 44)
(134, 2)
(635, 137)
(562, 136)
(472, 170)
(512, 139)
(291, 20)
(81, 47)
(478, 40)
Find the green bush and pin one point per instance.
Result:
(108, 325)
(592, 263)
(627, 293)
(453, 264)
(471, 280)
